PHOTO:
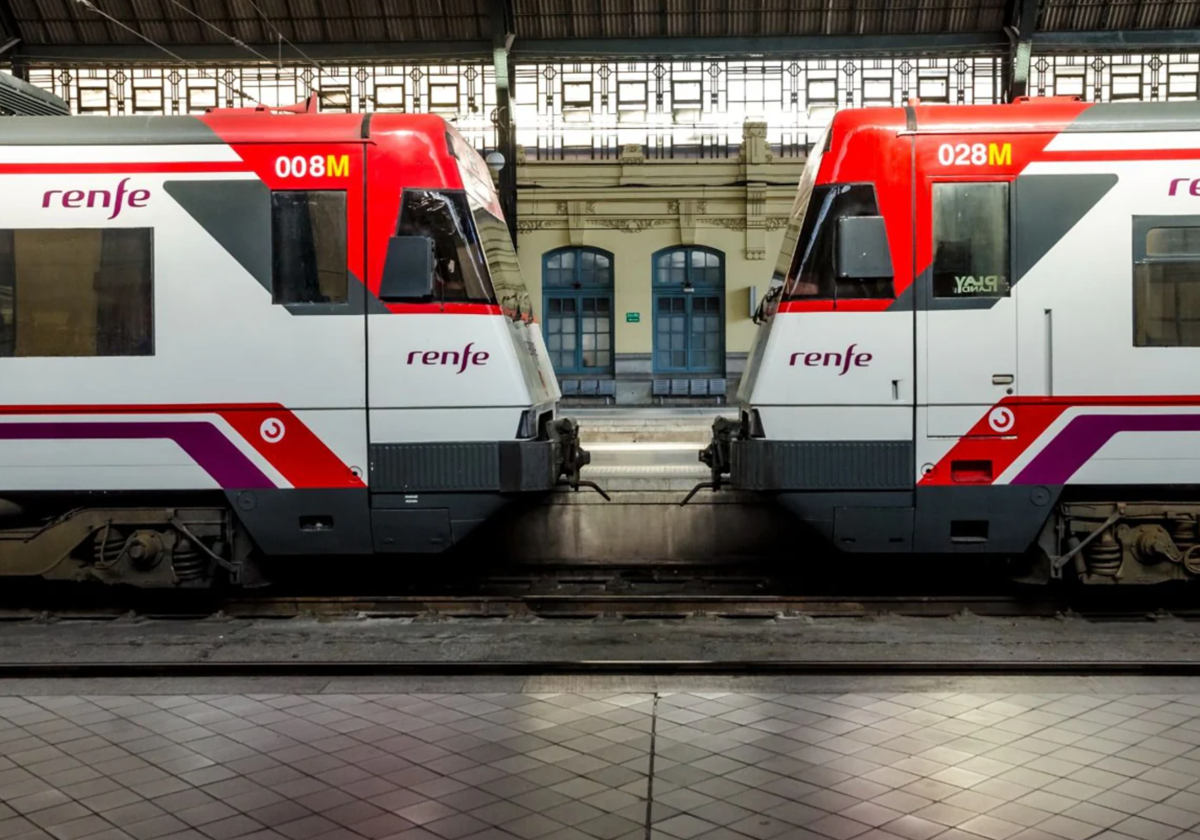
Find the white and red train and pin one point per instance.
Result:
(983, 336)
(297, 333)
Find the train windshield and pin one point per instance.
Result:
(791, 235)
(503, 268)
(804, 269)
(812, 274)
(460, 271)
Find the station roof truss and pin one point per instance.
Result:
(290, 31)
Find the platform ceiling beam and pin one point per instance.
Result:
(1118, 40)
(1023, 19)
(523, 49)
(358, 51)
(504, 30)
(771, 46)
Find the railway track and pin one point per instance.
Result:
(572, 593)
(208, 669)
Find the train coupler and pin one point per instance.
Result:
(717, 455)
(572, 457)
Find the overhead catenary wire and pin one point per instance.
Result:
(284, 38)
(232, 38)
(91, 6)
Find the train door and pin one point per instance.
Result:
(317, 254)
(967, 329)
(302, 238)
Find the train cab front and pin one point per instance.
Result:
(825, 403)
(462, 393)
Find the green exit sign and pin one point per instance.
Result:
(633, 317)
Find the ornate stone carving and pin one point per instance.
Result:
(776, 222)
(633, 225)
(530, 225)
(632, 153)
(731, 224)
(575, 207)
(755, 149)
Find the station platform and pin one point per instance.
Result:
(570, 759)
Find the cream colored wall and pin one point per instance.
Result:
(634, 207)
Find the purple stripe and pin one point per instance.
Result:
(1082, 438)
(202, 441)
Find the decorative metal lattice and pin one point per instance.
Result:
(465, 93)
(1117, 78)
(591, 110)
(696, 109)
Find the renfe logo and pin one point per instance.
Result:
(461, 358)
(117, 200)
(836, 360)
(1193, 186)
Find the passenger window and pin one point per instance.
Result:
(76, 292)
(308, 244)
(460, 272)
(970, 240)
(812, 274)
(1166, 289)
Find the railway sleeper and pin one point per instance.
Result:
(148, 547)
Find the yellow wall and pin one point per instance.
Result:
(634, 207)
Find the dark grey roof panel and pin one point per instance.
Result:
(101, 131)
(1139, 116)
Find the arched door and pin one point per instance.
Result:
(578, 291)
(689, 311)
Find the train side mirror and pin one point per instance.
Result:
(408, 270)
(862, 248)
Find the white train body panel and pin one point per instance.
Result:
(282, 346)
(1030, 339)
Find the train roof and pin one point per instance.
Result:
(1051, 113)
(216, 127)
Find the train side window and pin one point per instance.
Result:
(971, 238)
(308, 246)
(1166, 288)
(76, 292)
(812, 275)
(460, 271)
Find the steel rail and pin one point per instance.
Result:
(657, 668)
(663, 606)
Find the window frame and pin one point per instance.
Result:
(1141, 228)
(815, 228)
(470, 237)
(354, 289)
(662, 289)
(927, 298)
(577, 293)
(9, 342)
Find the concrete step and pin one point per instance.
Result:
(646, 425)
(698, 436)
(672, 466)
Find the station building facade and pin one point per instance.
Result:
(646, 273)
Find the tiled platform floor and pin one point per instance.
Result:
(677, 766)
